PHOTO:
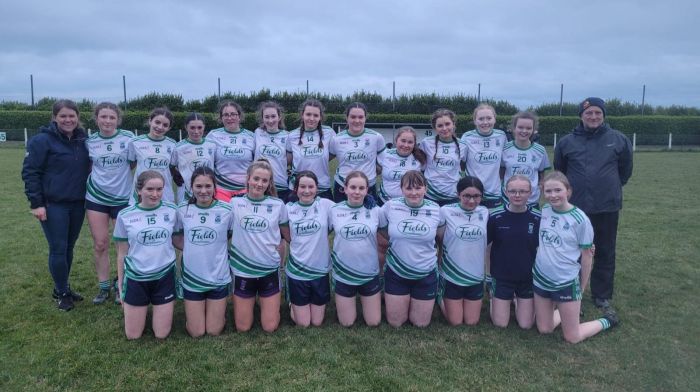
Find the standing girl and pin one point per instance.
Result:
(484, 149)
(234, 153)
(512, 232)
(204, 226)
(271, 143)
(307, 146)
(260, 221)
(395, 162)
(309, 255)
(523, 156)
(55, 169)
(146, 257)
(355, 266)
(463, 249)
(108, 188)
(356, 148)
(559, 277)
(410, 274)
(444, 158)
(153, 151)
(191, 153)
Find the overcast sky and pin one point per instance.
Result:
(519, 51)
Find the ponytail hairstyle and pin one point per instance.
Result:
(417, 152)
(264, 164)
(144, 177)
(316, 104)
(201, 171)
(268, 105)
(444, 113)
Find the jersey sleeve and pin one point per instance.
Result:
(585, 234)
(283, 219)
(381, 146)
(383, 223)
(120, 233)
(332, 148)
(131, 154)
(544, 162)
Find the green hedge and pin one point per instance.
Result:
(642, 125)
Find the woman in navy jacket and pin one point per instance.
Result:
(55, 171)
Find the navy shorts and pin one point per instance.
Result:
(265, 286)
(506, 290)
(304, 292)
(221, 292)
(154, 292)
(112, 211)
(450, 290)
(569, 293)
(423, 289)
(366, 290)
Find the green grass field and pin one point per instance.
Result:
(656, 348)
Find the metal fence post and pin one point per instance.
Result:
(25, 137)
(555, 140)
(670, 138)
(634, 141)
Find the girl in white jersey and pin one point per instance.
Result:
(259, 223)
(393, 163)
(308, 146)
(271, 143)
(309, 259)
(523, 156)
(108, 186)
(463, 251)
(484, 150)
(154, 151)
(410, 274)
(356, 148)
(146, 258)
(234, 153)
(355, 267)
(191, 153)
(445, 155)
(204, 224)
(558, 277)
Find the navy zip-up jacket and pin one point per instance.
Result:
(597, 163)
(55, 167)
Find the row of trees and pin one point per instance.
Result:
(376, 103)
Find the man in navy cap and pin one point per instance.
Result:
(597, 160)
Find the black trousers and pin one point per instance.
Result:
(605, 240)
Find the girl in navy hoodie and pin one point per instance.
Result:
(55, 170)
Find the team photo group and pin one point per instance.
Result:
(240, 217)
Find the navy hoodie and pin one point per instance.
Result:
(55, 167)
